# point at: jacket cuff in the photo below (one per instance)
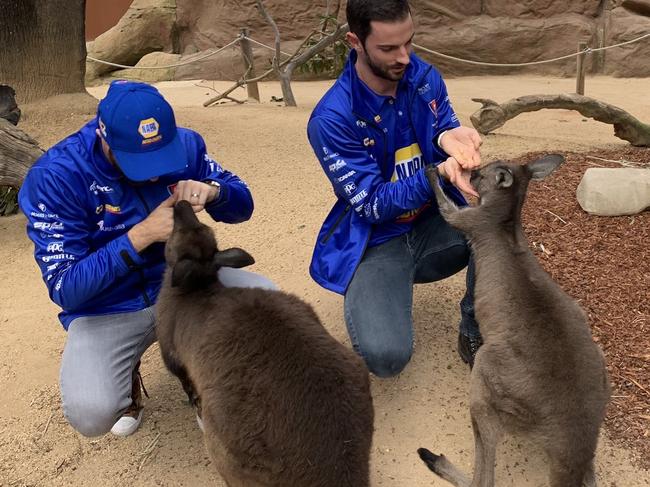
(222, 199)
(126, 257)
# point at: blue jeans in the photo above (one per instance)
(379, 300)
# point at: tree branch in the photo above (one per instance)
(291, 63)
(276, 32)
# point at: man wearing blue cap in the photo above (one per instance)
(99, 206)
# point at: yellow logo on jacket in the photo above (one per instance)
(408, 160)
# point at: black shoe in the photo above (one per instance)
(467, 348)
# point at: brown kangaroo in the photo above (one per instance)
(539, 372)
(283, 404)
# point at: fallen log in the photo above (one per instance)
(492, 115)
(18, 151)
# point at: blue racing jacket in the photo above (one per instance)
(79, 209)
(355, 152)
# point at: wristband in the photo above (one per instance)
(440, 138)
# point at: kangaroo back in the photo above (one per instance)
(282, 402)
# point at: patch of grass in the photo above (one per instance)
(8, 200)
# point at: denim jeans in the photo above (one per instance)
(379, 300)
(101, 352)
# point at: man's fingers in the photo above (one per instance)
(169, 202)
(464, 158)
(476, 139)
(466, 187)
(460, 179)
(476, 159)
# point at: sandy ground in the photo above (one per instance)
(427, 405)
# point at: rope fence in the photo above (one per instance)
(188, 61)
(531, 63)
(587, 50)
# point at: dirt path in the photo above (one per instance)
(266, 145)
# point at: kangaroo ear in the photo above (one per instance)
(541, 168)
(234, 257)
(504, 178)
(184, 272)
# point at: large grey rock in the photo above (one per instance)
(632, 59)
(485, 30)
(147, 26)
(506, 39)
(540, 8)
(153, 59)
(614, 191)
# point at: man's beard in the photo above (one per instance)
(384, 71)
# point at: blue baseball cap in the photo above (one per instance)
(140, 128)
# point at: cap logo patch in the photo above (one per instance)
(148, 128)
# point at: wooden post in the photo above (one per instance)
(247, 55)
(580, 70)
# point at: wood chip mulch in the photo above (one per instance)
(604, 263)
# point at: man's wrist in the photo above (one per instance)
(215, 190)
(138, 241)
(439, 139)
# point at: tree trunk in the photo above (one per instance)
(43, 49)
(287, 92)
(18, 151)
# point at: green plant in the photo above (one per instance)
(330, 61)
(8, 200)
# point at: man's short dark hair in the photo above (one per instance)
(360, 13)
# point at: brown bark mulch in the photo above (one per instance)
(604, 263)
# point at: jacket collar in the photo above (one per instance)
(364, 105)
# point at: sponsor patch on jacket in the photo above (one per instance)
(349, 188)
(98, 188)
(357, 198)
(112, 209)
(433, 106)
(335, 166)
(55, 247)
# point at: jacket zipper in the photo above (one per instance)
(336, 224)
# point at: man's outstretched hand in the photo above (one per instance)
(457, 175)
(463, 144)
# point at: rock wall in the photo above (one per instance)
(493, 31)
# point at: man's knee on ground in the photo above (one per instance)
(92, 417)
(387, 360)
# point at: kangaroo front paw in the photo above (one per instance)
(445, 204)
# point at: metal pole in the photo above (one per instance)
(247, 55)
(580, 69)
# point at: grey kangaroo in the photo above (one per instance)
(283, 404)
(539, 372)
